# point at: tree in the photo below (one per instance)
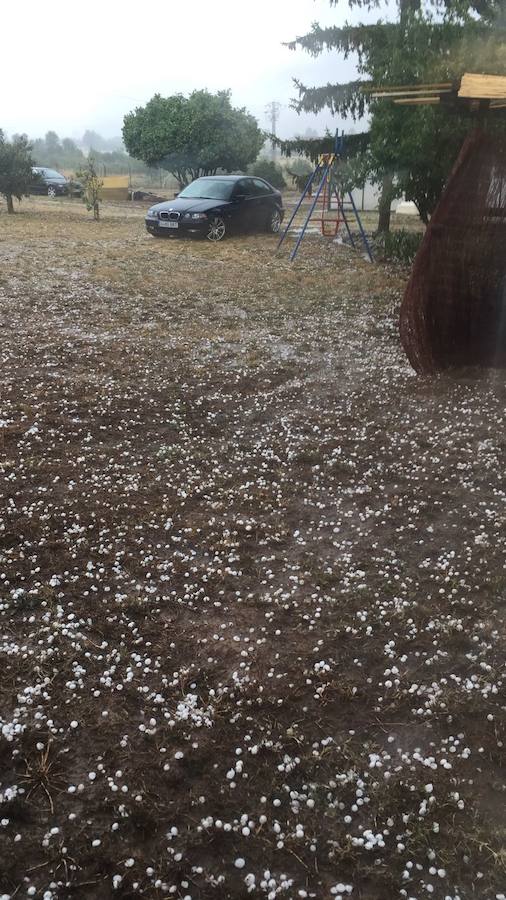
(411, 149)
(15, 168)
(193, 136)
(353, 154)
(92, 140)
(53, 147)
(92, 186)
(66, 155)
(69, 147)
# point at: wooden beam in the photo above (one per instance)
(408, 88)
(424, 93)
(418, 101)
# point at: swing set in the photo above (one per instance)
(329, 205)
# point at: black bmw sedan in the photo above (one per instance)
(216, 205)
(53, 183)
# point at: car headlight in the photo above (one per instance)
(196, 216)
(152, 214)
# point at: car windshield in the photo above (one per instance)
(50, 173)
(209, 189)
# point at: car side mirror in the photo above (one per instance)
(176, 194)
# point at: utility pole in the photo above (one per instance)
(272, 110)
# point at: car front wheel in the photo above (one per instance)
(51, 191)
(217, 229)
(274, 221)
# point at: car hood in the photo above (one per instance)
(189, 204)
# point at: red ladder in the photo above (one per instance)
(329, 226)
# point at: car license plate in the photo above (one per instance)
(168, 224)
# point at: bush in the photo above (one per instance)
(92, 185)
(270, 171)
(299, 172)
(399, 246)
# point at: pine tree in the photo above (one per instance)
(411, 150)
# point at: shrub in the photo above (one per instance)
(399, 246)
(271, 171)
(299, 172)
(92, 185)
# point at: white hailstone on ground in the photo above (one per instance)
(240, 863)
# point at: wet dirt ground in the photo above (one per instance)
(252, 576)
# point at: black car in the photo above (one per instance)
(52, 183)
(216, 205)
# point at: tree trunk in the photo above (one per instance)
(10, 204)
(385, 203)
(96, 212)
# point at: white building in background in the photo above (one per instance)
(405, 208)
(367, 198)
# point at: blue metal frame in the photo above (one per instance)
(299, 204)
(360, 228)
(345, 220)
(322, 171)
(325, 173)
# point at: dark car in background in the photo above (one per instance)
(52, 183)
(215, 205)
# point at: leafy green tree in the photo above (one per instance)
(92, 140)
(117, 162)
(92, 185)
(271, 171)
(50, 151)
(193, 136)
(411, 149)
(66, 155)
(69, 147)
(53, 147)
(15, 168)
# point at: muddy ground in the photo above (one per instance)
(253, 577)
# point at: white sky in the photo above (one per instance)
(68, 66)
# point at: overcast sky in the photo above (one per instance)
(69, 66)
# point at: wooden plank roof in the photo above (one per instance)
(483, 87)
(474, 89)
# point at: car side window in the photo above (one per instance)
(261, 188)
(244, 187)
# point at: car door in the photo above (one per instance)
(38, 185)
(244, 197)
(264, 204)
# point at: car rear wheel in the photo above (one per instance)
(51, 191)
(274, 221)
(217, 229)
